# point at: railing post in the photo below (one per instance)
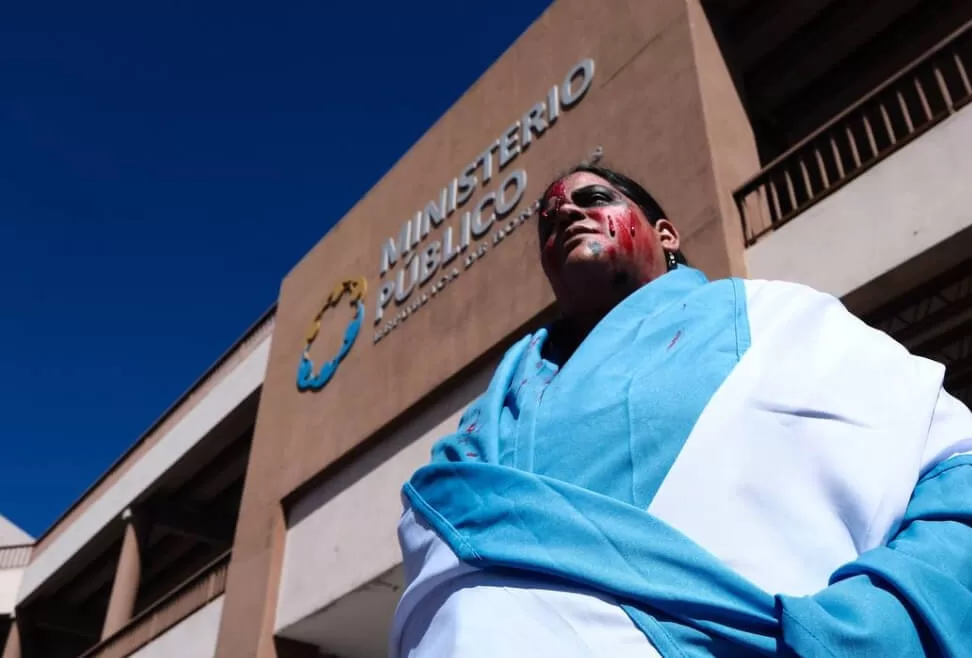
(821, 167)
(962, 73)
(807, 186)
(924, 99)
(943, 88)
(871, 141)
(755, 213)
(888, 127)
(838, 160)
(853, 145)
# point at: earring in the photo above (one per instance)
(672, 263)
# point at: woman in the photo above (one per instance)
(681, 467)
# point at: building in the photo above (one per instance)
(257, 516)
(15, 547)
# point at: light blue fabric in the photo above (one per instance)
(496, 516)
(615, 417)
(910, 598)
(551, 472)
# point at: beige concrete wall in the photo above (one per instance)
(357, 625)
(341, 536)
(10, 580)
(193, 637)
(909, 203)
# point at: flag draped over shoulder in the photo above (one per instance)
(740, 466)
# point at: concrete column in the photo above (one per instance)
(731, 146)
(124, 590)
(12, 648)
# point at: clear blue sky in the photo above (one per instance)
(162, 166)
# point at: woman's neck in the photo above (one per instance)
(567, 333)
(576, 324)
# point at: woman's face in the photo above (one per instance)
(596, 244)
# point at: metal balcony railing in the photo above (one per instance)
(15, 557)
(915, 99)
(207, 584)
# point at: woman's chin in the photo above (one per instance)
(588, 246)
(587, 276)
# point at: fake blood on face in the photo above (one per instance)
(627, 232)
(625, 243)
(556, 197)
(634, 241)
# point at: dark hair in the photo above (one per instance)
(628, 187)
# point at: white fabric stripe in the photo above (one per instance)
(804, 458)
(808, 453)
(950, 434)
(452, 609)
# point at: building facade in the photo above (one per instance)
(814, 141)
(15, 549)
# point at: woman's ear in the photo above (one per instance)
(667, 235)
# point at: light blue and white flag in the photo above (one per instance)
(721, 468)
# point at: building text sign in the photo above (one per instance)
(410, 262)
(415, 269)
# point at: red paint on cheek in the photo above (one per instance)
(635, 237)
(628, 232)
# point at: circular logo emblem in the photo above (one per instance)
(356, 290)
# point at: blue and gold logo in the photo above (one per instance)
(356, 289)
